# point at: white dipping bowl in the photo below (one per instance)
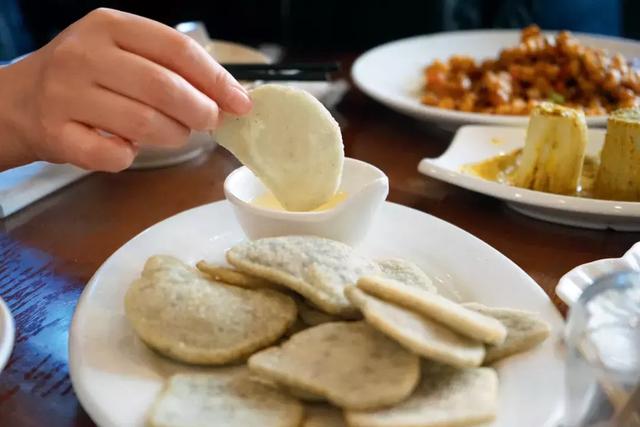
(366, 188)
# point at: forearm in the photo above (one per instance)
(13, 149)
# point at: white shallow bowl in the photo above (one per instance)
(7, 334)
(366, 188)
(571, 285)
(392, 73)
(116, 377)
(151, 156)
(476, 143)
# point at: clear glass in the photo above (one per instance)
(603, 354)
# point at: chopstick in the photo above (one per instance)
(309, 66)
(280, 72)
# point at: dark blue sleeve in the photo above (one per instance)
(589, 16)
(15, 39)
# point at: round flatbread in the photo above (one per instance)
(406, 272)
(296, 327)
(232, 277)
(312, 316)
(349, 363)
(466, 322)
(291, 142)
(320, 415)
(230, 398)
(417, 333)
(525, 330)
(290, 391)
(318, 269)
(177, 311)
(446, 396)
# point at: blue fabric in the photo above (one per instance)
(15, 40)
(589, 16)
(305, 24)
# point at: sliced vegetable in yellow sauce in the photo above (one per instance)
(502, 167)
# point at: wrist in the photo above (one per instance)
(14, 149)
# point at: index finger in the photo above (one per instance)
(181, 54)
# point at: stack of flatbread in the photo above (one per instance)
(319, 335)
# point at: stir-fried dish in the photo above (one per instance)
(540, 68)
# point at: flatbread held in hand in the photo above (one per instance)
(291, 142)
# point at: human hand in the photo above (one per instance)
(107, 83)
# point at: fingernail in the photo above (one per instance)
(239, 100)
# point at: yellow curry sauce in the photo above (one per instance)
(502, 168)
(269, 201)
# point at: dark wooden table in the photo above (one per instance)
(51, 249)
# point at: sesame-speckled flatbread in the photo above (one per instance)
(302, 394)
(406, 272)
(311, 316)
(296, 327)
(232, 277)
(226, 397)
(417, 333)
(469, 323)
(525, 330)
(291, 391)
(446, 397)
(182, 314)
(349, 363)
(319, 269)
(322, 415)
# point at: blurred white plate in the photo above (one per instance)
(7, 334)
(476, 143)
(393, 73)
(571, 285)
(116, 377)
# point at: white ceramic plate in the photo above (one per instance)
(7, 334)
(476, 143)
(392, 73)
(116, 377)
(571, 285)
